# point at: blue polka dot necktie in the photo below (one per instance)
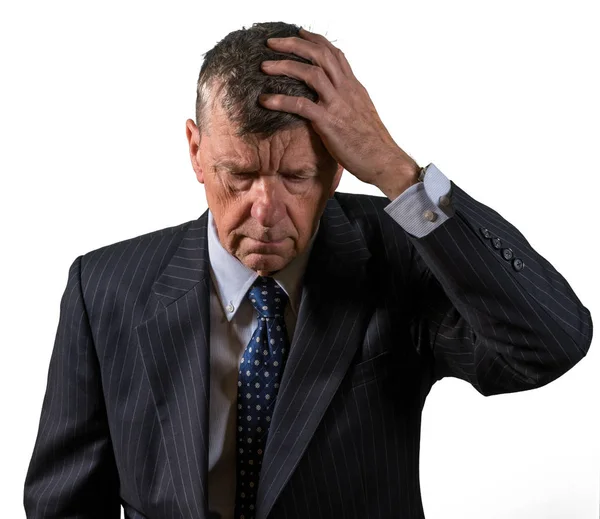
(258, 383)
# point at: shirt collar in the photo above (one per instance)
(232, 279)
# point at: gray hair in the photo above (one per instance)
(231, 74)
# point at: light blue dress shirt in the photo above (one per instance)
(419, 210)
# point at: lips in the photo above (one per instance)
(273, 242)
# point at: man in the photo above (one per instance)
(272, 358)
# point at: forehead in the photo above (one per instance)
(299, 145)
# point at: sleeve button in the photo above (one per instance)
(518, 264)
(507, 254)
(485, 232)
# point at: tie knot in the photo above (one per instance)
(267, 297)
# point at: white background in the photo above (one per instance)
(501, 96)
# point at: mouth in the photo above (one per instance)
(268, 242)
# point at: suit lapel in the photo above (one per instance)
(174, 345)
(330, 328)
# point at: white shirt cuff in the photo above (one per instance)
(424, 206)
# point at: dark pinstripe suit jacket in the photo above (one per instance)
(383, 316)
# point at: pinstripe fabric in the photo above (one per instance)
(124, 419)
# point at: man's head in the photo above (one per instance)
(267, 174)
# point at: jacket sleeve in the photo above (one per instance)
(72, 473)
(492, 311)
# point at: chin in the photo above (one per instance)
(265, 263)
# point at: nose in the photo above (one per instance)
(268, 207)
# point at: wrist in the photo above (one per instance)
(398, 178)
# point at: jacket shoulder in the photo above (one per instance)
(387, 241)
(146, 252)
(367, 213)
(157, 236)
(361, 205)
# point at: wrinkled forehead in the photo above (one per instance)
(298, 145)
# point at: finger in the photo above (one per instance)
(320, 55)
(293, 104)
(315, 77)
(337, 53)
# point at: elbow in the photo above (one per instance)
(512, 369)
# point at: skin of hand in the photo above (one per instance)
(344, 117)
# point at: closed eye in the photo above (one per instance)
(249, 175)
(243, 175)
(294, 178)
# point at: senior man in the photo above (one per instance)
(271, 359)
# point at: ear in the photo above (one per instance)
(336, 179)
(193, 136)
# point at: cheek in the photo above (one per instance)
(229, 211)
(305, 210)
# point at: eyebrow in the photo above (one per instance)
(231, 165)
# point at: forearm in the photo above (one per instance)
(500, 315)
